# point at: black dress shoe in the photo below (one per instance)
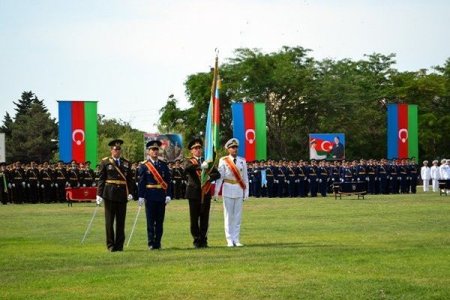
(111, 249)
(155, 247)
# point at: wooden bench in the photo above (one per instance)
(81, 194)
(444, 187)
(349, 188)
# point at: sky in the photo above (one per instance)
(131, 55)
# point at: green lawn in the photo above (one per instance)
(383, 247)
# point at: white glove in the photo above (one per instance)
(141, 201)
(130, 197)
(28, 185)
(23, 183)
(94, 184)
(42, 186)
(13, 185)
(84, 184)
(78, 185)
(56, 185)
(67, 184)
(168, 199)
(204, 165)
(245, 198)
(249, 181)
(99, 200)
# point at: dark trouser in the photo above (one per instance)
(155, 212)
(199, 214)
(61, 191)
(33, 190)
(115, 237)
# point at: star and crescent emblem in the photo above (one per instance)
(78, 136)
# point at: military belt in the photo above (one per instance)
(231, 181)
(153, 186)
(60, 178)
(18, 178)
(32, 177)
(116, 181)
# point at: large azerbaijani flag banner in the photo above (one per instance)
(78, 131)
(249, 127)
(402, 131)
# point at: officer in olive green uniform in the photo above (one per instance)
(115, 187)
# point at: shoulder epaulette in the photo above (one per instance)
(105, 158)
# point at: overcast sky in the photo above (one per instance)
(131, 55)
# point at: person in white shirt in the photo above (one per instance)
(234, 177)
(425, 175)
(435, 176)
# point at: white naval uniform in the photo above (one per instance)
(425, 175)
(435, 176)
(233, 196)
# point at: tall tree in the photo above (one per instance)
(32, 133)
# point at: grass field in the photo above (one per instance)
(383, 247)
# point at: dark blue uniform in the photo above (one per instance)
(302, 179)
(155, 200)
(312, 180)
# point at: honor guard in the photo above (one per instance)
(383, 175)
(413, 174)
(301, 179)
(235, 190)
(115, 188)
(270, 179)
(88, 175)
(18, 183)
(74, 175)
(46, 182)
(323, 178)
(198, 195)
(292, 179)
(177, 177)
(61, 181)
(312, 179)
(32, 175)
(154, 190)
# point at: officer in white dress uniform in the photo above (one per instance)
(425, 174)
(234, 177)
(435, 176)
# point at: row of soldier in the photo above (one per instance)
(42, 183)
(46, 182)
(303, 178)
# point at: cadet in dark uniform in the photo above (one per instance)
(270, 176)
(302, 179)
(18, 183)
(74, 175)
(177, 175)
(312, 179)
(115, 187)
(88, 175)
(61, 182)
(413, 175)
(3, 184)
(46, 180)
(33, 182)
(154, 189)
(198, 207)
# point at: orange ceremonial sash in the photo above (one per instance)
(156, 175)
(235, 172)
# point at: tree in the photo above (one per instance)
(109, 129)
(32, 131)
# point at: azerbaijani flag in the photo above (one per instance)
(249, 127)
(212, 129)
(213, 118)
(402, 131)
(78, 131)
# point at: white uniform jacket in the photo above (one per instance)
(231, 188)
